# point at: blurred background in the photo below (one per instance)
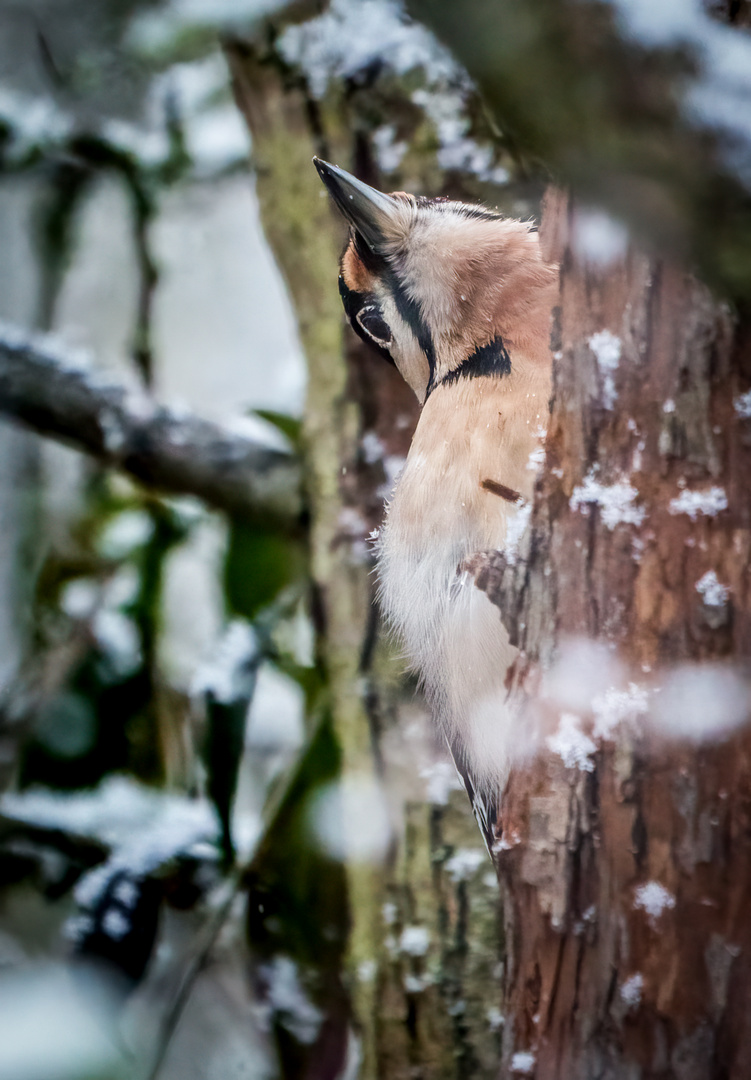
(229, 844)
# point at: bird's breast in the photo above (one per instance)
(473, 461)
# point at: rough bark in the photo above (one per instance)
(596, 986)
(176, 453)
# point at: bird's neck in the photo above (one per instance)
(487, 361)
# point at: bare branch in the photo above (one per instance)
(177, 453)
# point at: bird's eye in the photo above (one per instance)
(372, 322)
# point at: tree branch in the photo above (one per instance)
(123, 428)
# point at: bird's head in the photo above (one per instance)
(435, 284)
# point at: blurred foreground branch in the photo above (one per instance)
(180, 454)
(647, 121)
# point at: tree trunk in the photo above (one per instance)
(626, 869)
(623, 862)
(420, 1000)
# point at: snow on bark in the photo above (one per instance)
(653, 899)
(622, 884)
(615, 501)
(693, 503)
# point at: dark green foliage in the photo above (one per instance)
(102, 717)
(259, 566)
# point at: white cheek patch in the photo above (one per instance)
(405, 350)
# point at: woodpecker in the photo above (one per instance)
(459, 298)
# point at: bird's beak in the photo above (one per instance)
(372, 213)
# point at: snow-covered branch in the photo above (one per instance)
(175, 452)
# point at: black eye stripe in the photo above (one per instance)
(354, 303)
(409, 310)
(406, 305)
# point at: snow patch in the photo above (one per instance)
(115, 924)
(52, 348)
(467, 155)
(505, 843)
(367, 970)
(631, 991)
(571, 744)
(614, 500)
(123, 533)
(372, 448)
(709, 503)
(32, 122)
(289, 1001)
(616, 706)
(742, 406)
(230, 674)
(516, 526)
(523, 1062)
(607, 352)
(441, 779)
(389, 151)
(78, 598)
(536, 459)
(464, 863)
(155, 32)
(389, 913)
(217, 139)
(118, 637)
(143, 828)
(125, 893)
(712, 591)
(150, 148)
(414, 940)
(355, 34)
(495, 1018)
(275, 718)
(582, 670)
(653, 899)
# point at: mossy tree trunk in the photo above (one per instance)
(417, 1010)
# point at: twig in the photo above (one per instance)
(175, 453)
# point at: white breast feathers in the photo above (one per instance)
(440, 514)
